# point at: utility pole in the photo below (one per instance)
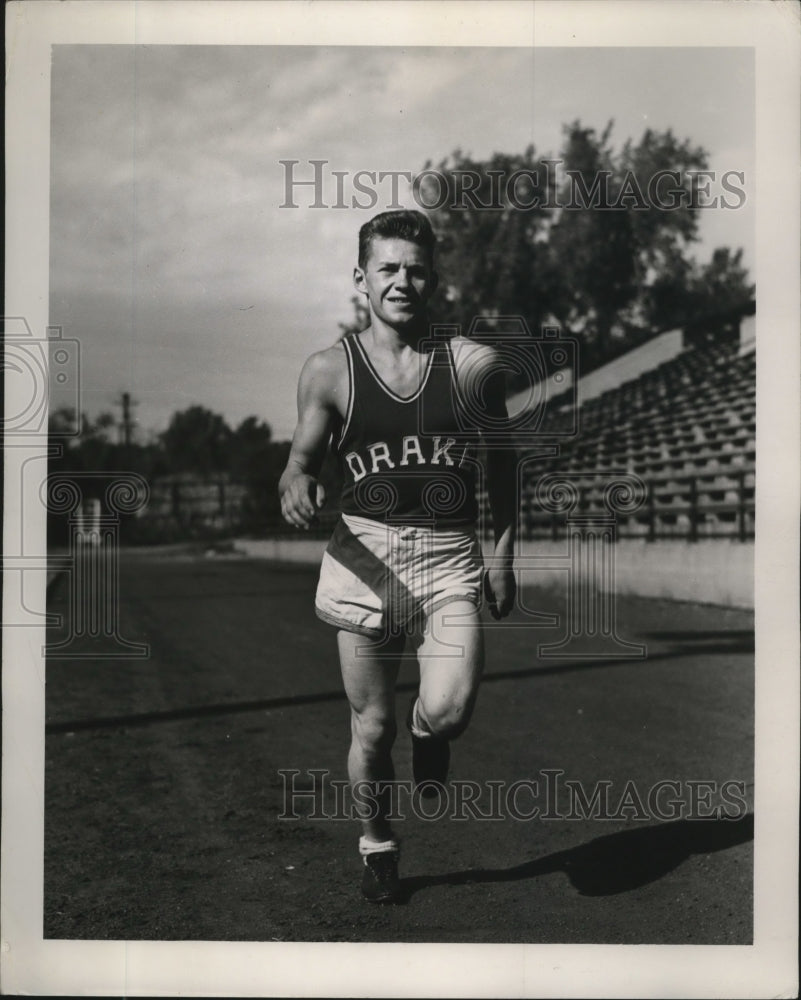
(126, 426)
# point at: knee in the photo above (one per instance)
(375, 733)
(448, 720)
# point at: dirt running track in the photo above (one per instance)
(163, 789)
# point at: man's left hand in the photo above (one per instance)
(500, 587)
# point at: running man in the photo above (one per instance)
(404, 412)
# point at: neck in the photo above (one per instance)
(396, 338)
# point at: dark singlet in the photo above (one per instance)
(407, 460)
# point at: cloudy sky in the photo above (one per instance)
(171, 259)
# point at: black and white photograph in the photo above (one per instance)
(401, 499)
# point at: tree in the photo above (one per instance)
(361, 317)
(61, 423)
(253, 463)
(197, 440)
(250, 448)
(718, 295)
(722, 284)
(94, 448)
(614, 239)
(597, 240)
(490, 257)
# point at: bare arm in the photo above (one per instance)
(302, 495)
(502, 491)
(488, 384)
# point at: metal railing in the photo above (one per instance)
(693, 512)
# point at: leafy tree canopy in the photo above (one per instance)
(597, 240)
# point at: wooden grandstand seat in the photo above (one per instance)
(687, 428)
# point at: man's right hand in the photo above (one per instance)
(301, 500)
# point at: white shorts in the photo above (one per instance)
(376, 577)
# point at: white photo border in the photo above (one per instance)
(142, 968)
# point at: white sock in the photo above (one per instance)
(416, 729)
(376, 846)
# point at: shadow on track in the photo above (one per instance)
(618, 862)
(696, 635)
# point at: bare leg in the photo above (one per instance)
(451, 660)
(369, 681)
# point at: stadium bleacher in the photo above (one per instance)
(686, 429)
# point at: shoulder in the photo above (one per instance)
(330, 363)
(479, 374)
(472, 359)
(323, 373)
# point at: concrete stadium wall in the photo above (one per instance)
(631, 365)
(747, 334)
(710, 571)
(299, 550)
(558, 383)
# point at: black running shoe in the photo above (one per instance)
(431, 756)
(380, 882)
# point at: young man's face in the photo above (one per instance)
(398, 280)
